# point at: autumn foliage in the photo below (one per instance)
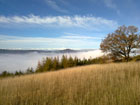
(121, 43)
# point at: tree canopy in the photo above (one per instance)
(121, 43)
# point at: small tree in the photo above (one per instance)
(55, 64)
(64, 62)
(30, 70)
(70, 62)
(5, 74)
(122, 42)
(39, 67)
(75, 61)
(47, 65)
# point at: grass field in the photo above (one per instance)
(106, 84)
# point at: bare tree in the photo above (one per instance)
(122, 42)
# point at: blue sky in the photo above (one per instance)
(58, 24)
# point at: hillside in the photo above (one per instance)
(105, 84)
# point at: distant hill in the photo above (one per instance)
(13, 51)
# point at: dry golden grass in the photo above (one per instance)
(106, 84)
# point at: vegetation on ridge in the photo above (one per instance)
(54, 64)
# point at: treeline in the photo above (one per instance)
(17, 73)
(55, 63)
(52, 64)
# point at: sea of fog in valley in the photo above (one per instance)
(21, 60)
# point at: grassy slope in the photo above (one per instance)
(106, 84)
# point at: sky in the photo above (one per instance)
(59, 24)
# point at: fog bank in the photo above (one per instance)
(13, 62)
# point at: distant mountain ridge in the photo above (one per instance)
(15, 51)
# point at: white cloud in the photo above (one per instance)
(87, 22)
(45, 42)
(78, 36)
(111, 4)
(54, 5)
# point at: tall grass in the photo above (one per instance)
(106, 84)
